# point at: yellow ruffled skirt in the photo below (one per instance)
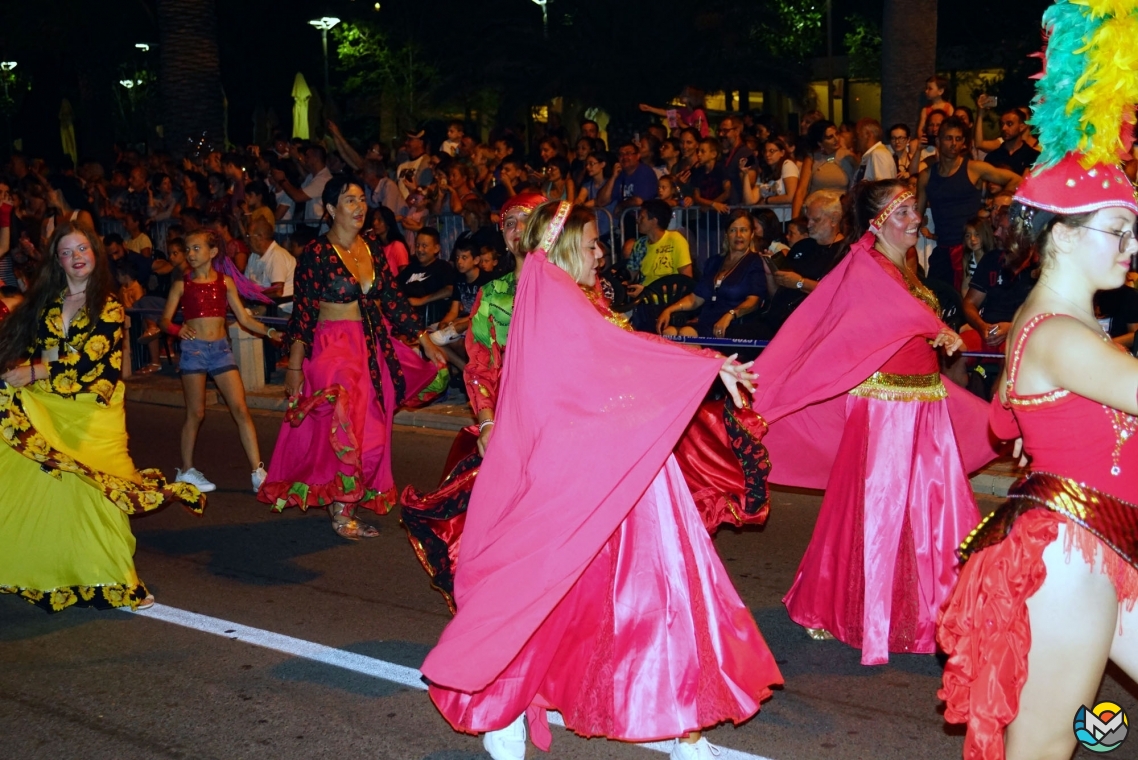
(67, 486)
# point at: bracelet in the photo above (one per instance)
(296, 369)
(33, 367)
(482, 425)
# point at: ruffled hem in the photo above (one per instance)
(986, 631)
(101, 597)
(342, 438)
(148, 493)
(434, 524)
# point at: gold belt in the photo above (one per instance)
(888, 387)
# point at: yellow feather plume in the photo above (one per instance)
(1109, 84)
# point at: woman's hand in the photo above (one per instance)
(18, 377)
(187, 332)
(949, 341)
(664, 320)
(433, 353)
(927, 234)
(722, 208)
(720, 327)
(733, 374)
(484, 438)
(294, 382)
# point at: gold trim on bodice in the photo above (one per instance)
(888, 387)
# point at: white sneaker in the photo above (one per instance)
(444, 336)
(195, 479)
(701, 750)
(146, 603)
(508, 743)
(259, 476)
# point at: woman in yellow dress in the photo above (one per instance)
(68, 480)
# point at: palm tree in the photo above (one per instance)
(908, 58)
(190, 78)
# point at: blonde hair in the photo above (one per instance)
(566, 249)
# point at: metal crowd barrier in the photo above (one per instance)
(761, 344)
(703, 227)
(284, 230)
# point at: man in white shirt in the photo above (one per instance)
(415, 172)
(877, 161)
(270, 266)
(381, 190)
(310, 190)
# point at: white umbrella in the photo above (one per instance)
(300, 97)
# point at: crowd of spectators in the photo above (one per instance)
(264, 203)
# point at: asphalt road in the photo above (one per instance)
(93, 685)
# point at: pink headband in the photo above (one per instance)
(555, 225)
(879, 220)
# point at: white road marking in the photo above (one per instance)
(357, 663)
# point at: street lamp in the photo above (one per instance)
(544, 17)
(324, 24)
(144, 47)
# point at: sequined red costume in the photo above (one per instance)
(204, 299)
(1082, 474)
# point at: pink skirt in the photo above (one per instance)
(882, 560)
(335, 443)
(652, 642)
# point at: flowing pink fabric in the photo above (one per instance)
(854, 321)
(882, 558)
(586, 581)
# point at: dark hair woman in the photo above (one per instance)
(352, 371)
(64, 447)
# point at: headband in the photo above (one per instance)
(879, 220)
(524, 202)
(555, 225)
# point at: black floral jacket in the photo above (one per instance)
(89, 356)
(322, 276)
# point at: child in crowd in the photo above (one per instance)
(709, 177)
(470, 277)
(490, 262)
(935, 87)
(978, 240)
(130, 291)
(796, 230)
(206, 293)
(413, 217)
(669, 191)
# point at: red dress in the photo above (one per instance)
(1078, 452)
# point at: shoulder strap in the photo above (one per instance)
(1017, 347)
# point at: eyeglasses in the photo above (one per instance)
(1125, 238)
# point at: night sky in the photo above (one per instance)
(80, 49)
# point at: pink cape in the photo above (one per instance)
(587, 417)
(840, 335)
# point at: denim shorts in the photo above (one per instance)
(202, 356)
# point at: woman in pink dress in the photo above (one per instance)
(856, 404)
(587, 582)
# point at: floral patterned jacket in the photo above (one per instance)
(322, 276)
(89, 354)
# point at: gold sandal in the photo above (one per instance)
(347, 526)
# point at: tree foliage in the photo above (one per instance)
(863, 44)
(401, 73)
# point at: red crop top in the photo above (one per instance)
(204, 299)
